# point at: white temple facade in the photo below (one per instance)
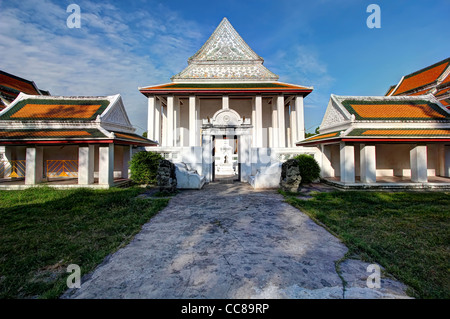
(227, 115)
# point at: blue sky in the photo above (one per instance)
(123, 45)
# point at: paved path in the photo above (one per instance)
(230, 241)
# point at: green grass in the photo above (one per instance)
(407, 233)
(43, 230)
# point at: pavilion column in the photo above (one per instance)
(258, 121)
(127, 153)
(418, 160)
(106, 164)
(176, 122)
(254, 133)
(151, 117)
(198, 120)
(225, 102)
(164, 124)
(274, 139)
(300, 120)
(6, 162)
(157, 122)
(446, 172)
(293, 123)
(170, 115)
(347, 162)
(281, 118)
(34, 165)
(326, 170)
(86, 164)
(192, 121)
(368, 166)
(287, 124)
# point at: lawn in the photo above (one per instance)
(407, 233)
(43, 230)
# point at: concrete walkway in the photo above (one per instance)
(230, 241)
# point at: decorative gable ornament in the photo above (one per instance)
(225, 57)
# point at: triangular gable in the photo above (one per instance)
(225, 56)
(335, 115)
(225, 44)
(116, 114)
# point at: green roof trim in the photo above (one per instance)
(21, 104)
(437, 132)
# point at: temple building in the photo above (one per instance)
(226, 114)
(398, 140)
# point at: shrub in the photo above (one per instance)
(144, 167)
(309, 168)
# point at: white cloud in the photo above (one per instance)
(110, 54)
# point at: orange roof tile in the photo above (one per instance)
(37, 111)
(38, 108)
(395, 110)
(422, 77)
(18, 84)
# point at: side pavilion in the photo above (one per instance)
(384, 141)
(66, 141)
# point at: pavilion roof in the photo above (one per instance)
(422, 78)
(11, 86)
(394, 109)
(50, 119)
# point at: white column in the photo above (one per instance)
(347, 163)
(192, 121)
(6, 162)
(326, 169)
(225, 102)
(258, 121)
(151, 117)
(293, 120)
(157, 122)
(127, 151)
(170, 134)
(198, 135)
(446, 172)
(300, 118)
(368, 165)
(418, 160)
(254, 130)
(275, 140)
(164, 124)
(106, 164)
(86, 164)
(176, 122)
(281, 124)
(34, 165)
(287, 124)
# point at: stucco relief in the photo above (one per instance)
(332, 117)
